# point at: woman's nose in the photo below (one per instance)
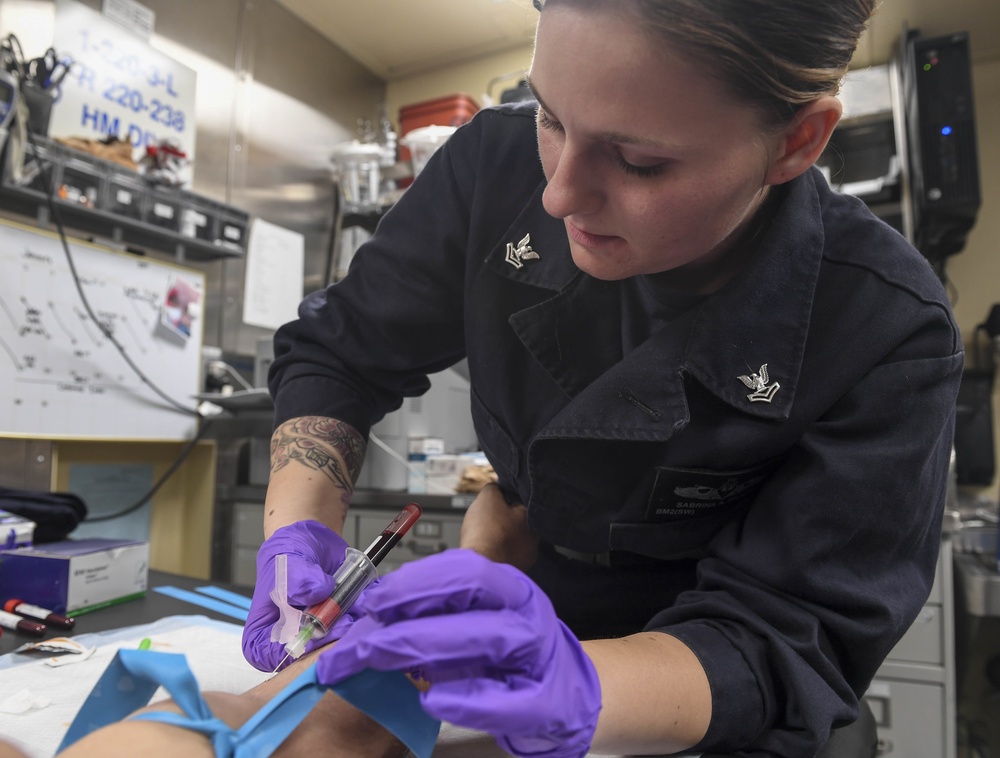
(573, 186)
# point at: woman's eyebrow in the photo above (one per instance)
(619, 138)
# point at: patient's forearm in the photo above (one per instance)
(9, 751)
(333, 728)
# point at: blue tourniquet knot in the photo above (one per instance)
(134, 675)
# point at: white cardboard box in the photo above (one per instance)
(444, 472)
(419, 450)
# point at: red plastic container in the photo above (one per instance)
(452, 110)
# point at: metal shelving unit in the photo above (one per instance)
(105, 199)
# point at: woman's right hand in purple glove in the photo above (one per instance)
(314, 552)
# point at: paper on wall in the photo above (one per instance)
(275, 268)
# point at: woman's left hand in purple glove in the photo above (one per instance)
(489, 642)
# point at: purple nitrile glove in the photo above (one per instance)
(488, 641)
(314, 552)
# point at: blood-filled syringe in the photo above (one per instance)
(356, 572)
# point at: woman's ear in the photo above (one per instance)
(805, 138)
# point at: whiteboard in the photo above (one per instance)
(60, 376)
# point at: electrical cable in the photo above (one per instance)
(519, 74)
(204, 427)
(212, 365)
(18, 57)
(330, 266)
(105, 330)
(419, 472)
(19, 128)
(201, 433)
(206, 424)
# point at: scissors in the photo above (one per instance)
(49, 70)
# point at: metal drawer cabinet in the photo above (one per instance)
(433, 533)
(913, 695)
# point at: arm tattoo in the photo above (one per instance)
(312, 440)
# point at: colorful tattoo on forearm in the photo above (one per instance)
(311, 440)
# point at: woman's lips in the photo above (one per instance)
(588, 239)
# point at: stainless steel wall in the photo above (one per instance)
(273, 98)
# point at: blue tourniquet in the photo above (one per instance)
(134, 675)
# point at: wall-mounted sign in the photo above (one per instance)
(118, 84)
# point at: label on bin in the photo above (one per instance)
(232, 233)
(162, 210)
(124, 197)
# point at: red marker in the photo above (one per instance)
(27, 610)
(19, 624)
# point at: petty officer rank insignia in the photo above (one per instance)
(683, 494)
(517, 255)
(762, 391)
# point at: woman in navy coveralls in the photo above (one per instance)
(718, 396)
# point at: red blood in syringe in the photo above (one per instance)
(324, 613)
(28, 610)
(399, 526)
(10, 621)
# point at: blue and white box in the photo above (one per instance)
(76, 576)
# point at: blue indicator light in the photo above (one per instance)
(946, 130)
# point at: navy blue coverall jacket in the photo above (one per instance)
(780, 448)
